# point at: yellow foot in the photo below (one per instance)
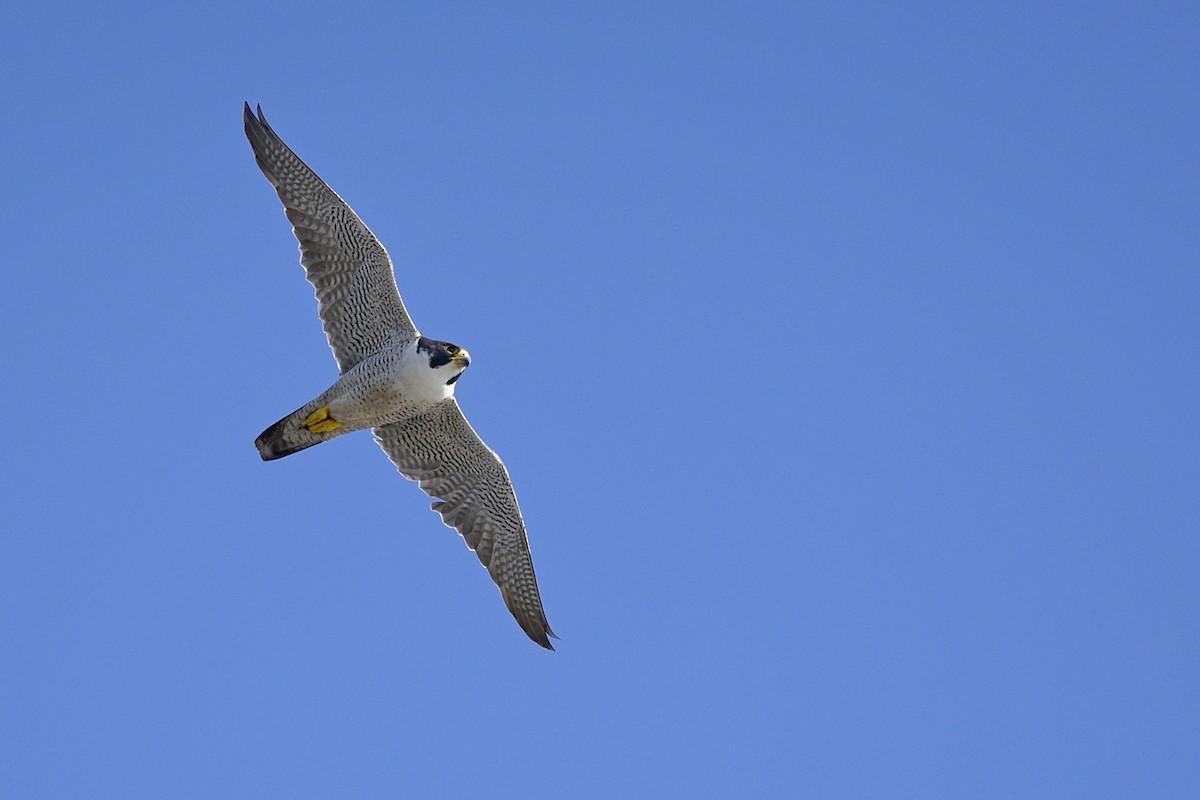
(320, 422)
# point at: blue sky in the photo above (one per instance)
(843, 357)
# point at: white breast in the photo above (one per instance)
(421, 382)
(389, 386)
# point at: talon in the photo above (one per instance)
(320, 422)
(320, 414)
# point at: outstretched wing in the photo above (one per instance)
(359, 304)
(441, 451)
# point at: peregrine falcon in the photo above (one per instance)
(394, 381)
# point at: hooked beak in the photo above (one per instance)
(462, 359)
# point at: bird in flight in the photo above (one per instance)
(394, 381)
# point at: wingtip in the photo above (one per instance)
(254, 116)
(249, 122)
(543, 636)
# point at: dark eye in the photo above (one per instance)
(451, 349)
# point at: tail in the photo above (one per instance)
(288, 436)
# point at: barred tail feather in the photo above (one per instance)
(287, 436)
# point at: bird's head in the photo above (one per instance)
(447, 359)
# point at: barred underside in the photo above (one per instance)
(441, 451)
(357, 298)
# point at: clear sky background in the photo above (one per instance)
(844, 358)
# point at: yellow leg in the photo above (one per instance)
(320, 422)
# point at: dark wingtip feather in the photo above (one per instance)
(253, 125)
(539, 638)
(257, 129)
(541, 635)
